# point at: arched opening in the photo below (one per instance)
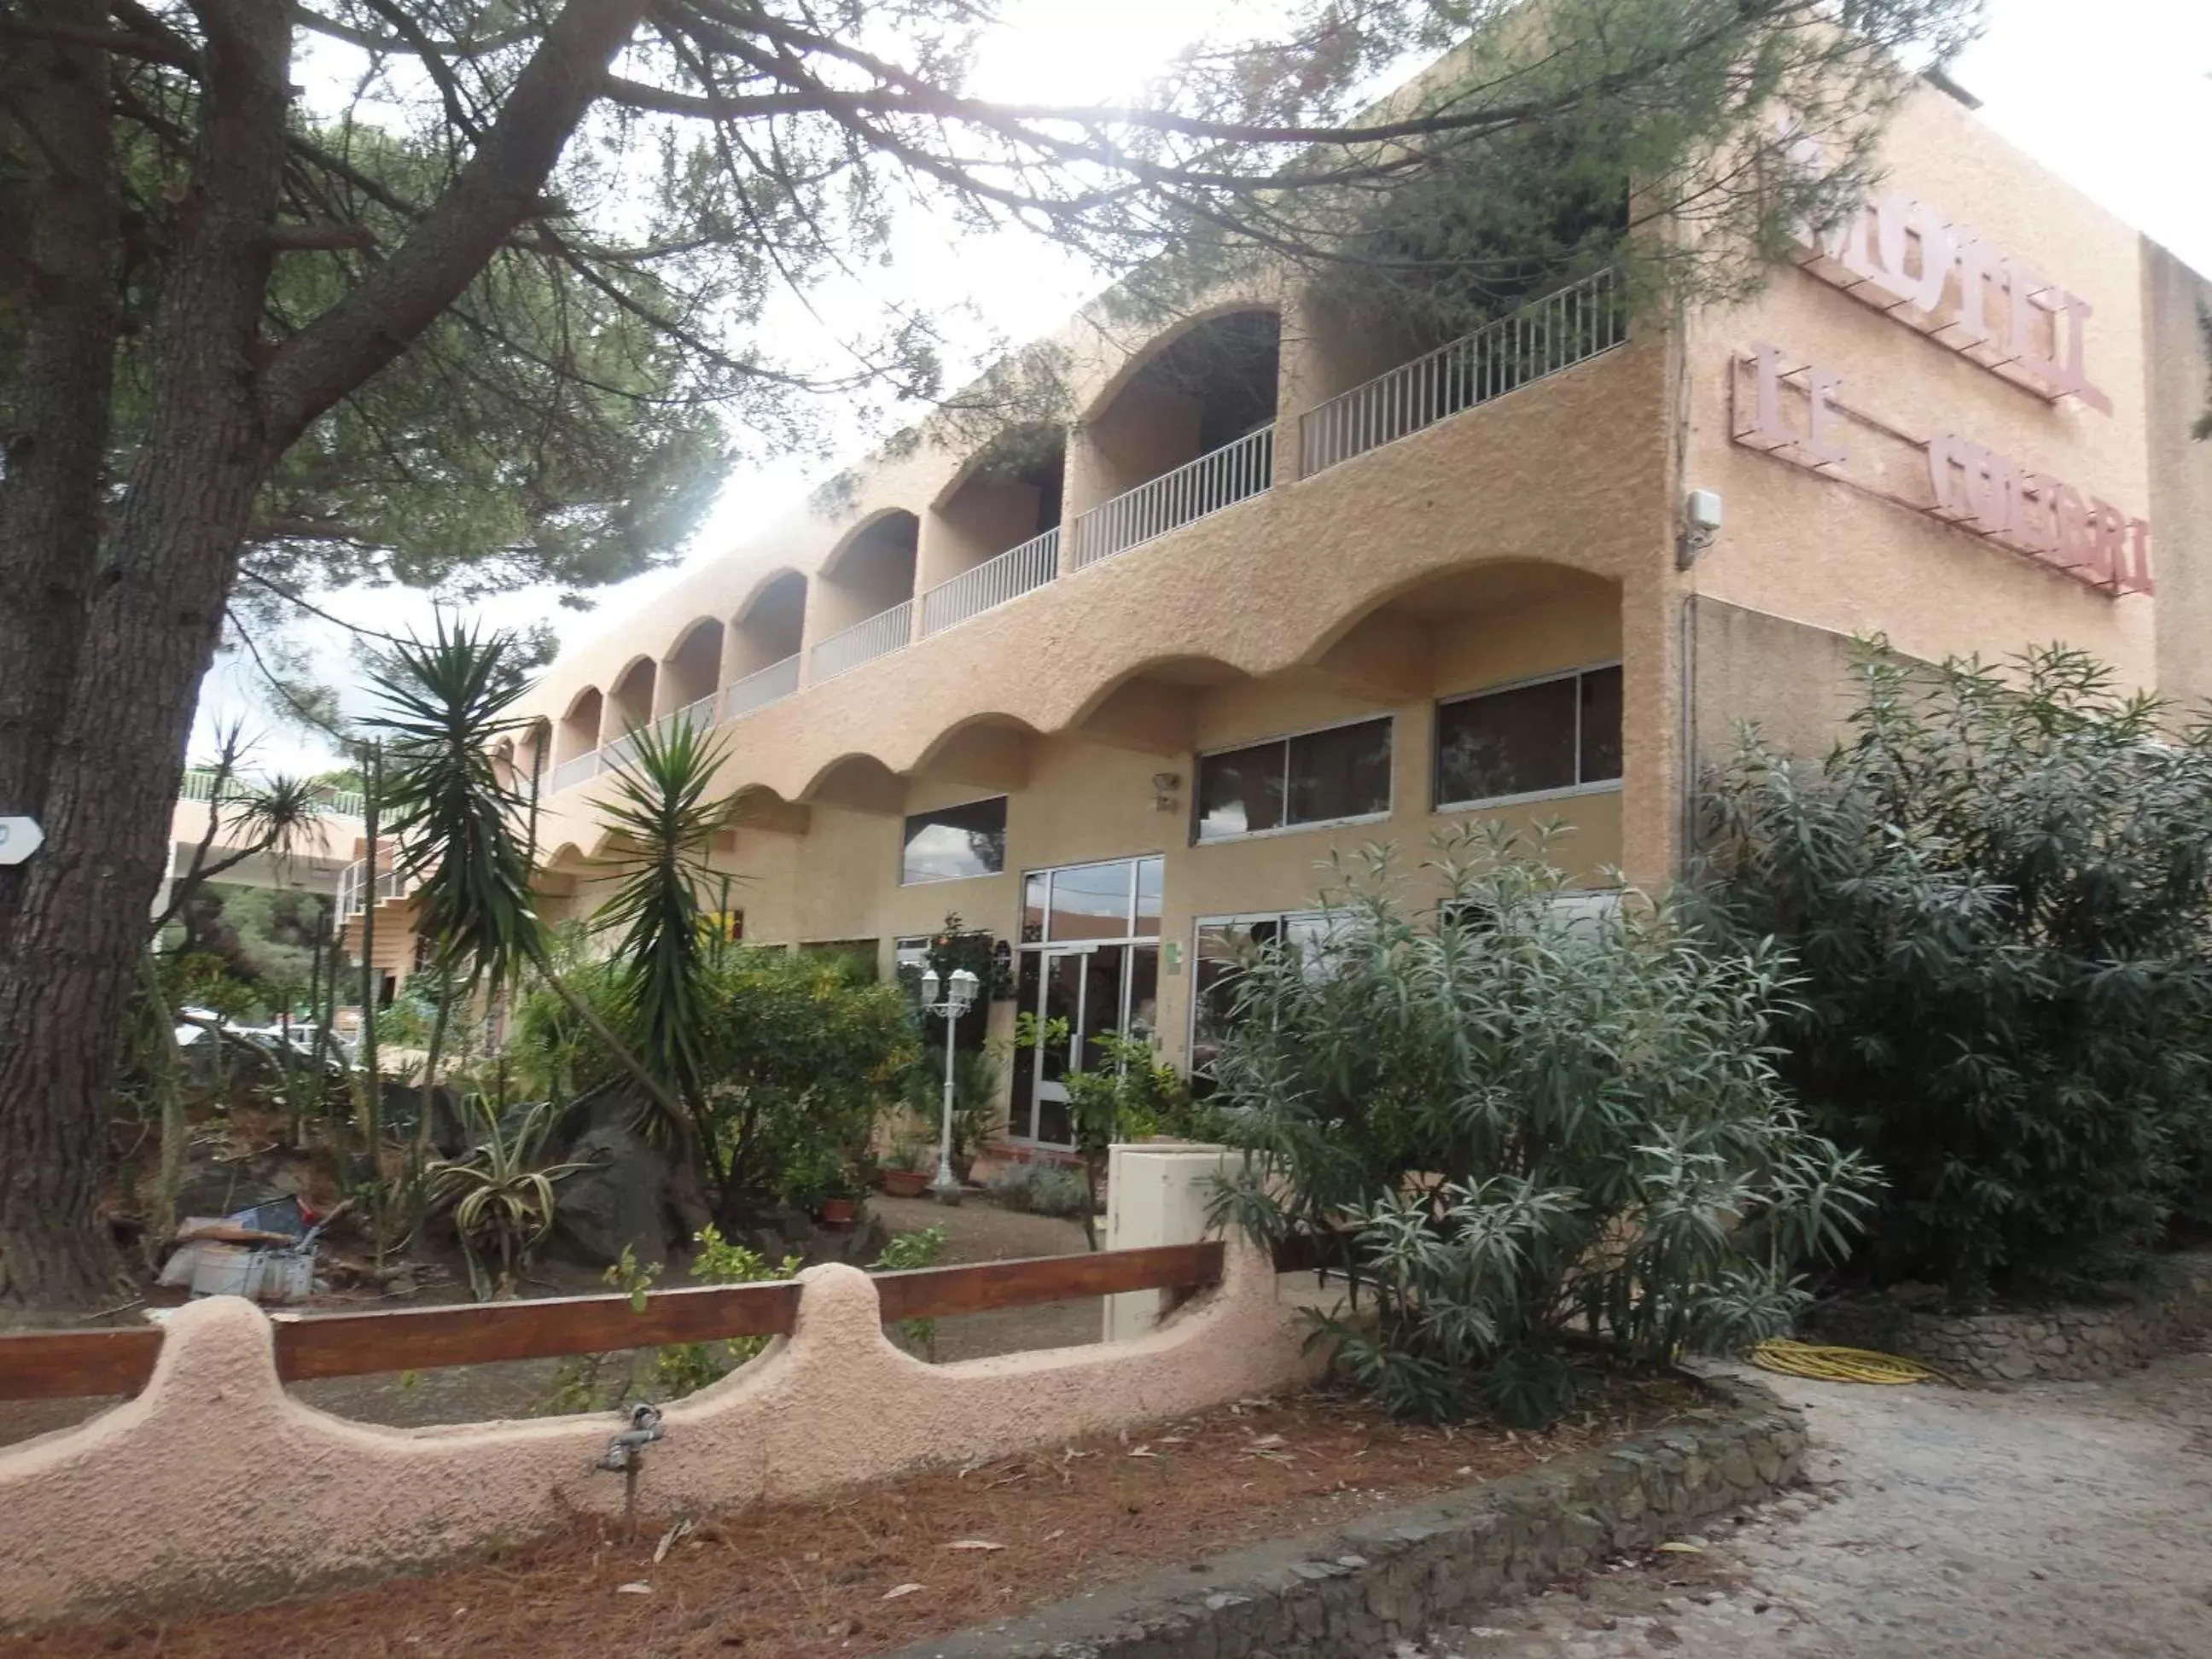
(1187, 433)
(1004, 513)
(579, 733)
(761, 660)
(691, 673)
(629, 704)
(858, 783)
(863, 599)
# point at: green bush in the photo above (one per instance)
(581, 1383)
(1543, 1140)
(1053, 1189)
(793, 1060)
(1998, 892)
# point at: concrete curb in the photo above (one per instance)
(1342, 1594)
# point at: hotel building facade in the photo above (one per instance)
(1275, 591)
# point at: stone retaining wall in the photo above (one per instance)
(1344, 1595)
(2066, 1344)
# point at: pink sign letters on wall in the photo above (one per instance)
(1799, 415)
(1899, 255)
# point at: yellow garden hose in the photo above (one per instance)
(1833, 1365)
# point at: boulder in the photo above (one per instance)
(623, 1200)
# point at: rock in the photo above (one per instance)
(623, 1200)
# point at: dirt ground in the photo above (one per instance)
(976, 1231)
(892, 1563)
(2055, 1521)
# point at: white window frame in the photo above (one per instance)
(950, 806)
(1198, 767)
(1565, 792)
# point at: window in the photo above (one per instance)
(1113, 901)
(1225, 943)
(1330, 776)
(955, 842)
(1550, 737)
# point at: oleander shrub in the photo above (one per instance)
(1543, 1134)
(1997, 890)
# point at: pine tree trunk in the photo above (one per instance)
(152, 623)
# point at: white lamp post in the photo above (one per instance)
(959, 997)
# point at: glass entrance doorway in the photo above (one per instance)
(1089, 956)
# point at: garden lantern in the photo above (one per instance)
(959, 997)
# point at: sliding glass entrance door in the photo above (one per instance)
(1091, 964)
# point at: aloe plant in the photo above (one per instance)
(500, 1204)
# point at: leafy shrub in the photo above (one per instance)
(1051, 1189)
(1998, 892)
(1539, 1138)
(791, 1061)
(582, 1382)
(923, 1248)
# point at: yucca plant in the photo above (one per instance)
(503, 1207)
(446, 703)
(664, 820)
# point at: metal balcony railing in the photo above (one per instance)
(991, 584)
(1219, 478)
(199, 784)
(570, 773)
(698, 714)
(1555, 332)
(770, 684)
(353, 880)
(620, 752)
(881, 634)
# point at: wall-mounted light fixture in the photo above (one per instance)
(1164, 785)
(1701, 522)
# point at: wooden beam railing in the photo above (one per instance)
(68, 1364)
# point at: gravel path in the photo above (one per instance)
(2060, 1521)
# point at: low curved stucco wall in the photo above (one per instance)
(214, 1486)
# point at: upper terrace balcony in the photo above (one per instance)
(1188, 434)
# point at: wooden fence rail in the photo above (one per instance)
(68, 1364)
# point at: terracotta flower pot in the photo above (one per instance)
(837, 1214)
(905, 1183)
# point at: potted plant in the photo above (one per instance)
(840, 1209)
(906, 1169)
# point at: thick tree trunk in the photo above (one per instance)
(54, 454)
(101, 767)
(154, 619)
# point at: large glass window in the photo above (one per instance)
(955, 842)
(1329, 776)
(1549, 737)
(1226, 944)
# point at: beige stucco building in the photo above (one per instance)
(1279, 592)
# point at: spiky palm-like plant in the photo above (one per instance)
(662, 813)
(446, 701)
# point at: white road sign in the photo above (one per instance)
(19, 839)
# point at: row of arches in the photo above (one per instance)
(1039, 499)
(1210, 381)
(1455, 627)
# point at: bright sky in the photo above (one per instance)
(2116, 98)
